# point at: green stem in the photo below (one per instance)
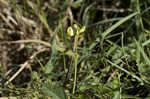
(75, 63)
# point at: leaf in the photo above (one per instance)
(49, 67)
(147, 60)
(50, 64)
(118, 24)
(125, 96)
(124, 70)
(112, 49)
(117, 95)
(35, 75)
(55, 92)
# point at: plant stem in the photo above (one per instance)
(75, 62)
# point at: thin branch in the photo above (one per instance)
(25, 64)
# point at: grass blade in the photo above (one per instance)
(118, 24)
(124, 70)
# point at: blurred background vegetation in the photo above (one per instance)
(109, 60)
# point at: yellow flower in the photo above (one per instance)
(70, 31)
(82, 29)
(75, 30)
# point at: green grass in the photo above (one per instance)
(109, 60)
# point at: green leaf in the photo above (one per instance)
(118, 24)
(50, 64)
(125, 96)
(55, 92)
(147, 60)
(35, 75)
(124, 70)
(117, 95)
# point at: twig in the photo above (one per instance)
(112, 75)
(61, 49)
(6, 21)
(4, 58)
(25, 64)
(114, 10)
(26, 41)
(69, 11)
